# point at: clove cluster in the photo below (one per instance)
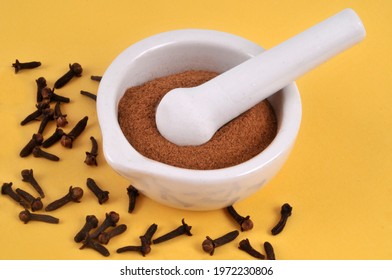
(48, 108)
(95, 236)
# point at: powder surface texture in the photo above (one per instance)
(234, 143)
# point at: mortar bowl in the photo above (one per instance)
(173, 52)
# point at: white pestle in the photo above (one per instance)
(191, 116)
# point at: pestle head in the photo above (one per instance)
(181, 122)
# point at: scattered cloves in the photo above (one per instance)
(89, 242)
(61, 119)
(55, 137)
(89, 94)
(285, 213)
(35, 141)
(102, 195)
(74, 194)
(105, 236)
(26, 216)
(35, 202)
(210, 244)
(68, 138)
(6, 189)
(110, 221)
(132, 194)
(91, 222)
(245, 222)
(39, 153)
(28, 176)
(183, 229)
(91, 157)
(25, 65)
(75, 70)
(247, 247)
(269, 251)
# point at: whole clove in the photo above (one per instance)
(35, 202)
(54, 138)
(28, 176)
(68, 138)
(132, 194)
(25, 65)
(102, 195)
(75, 70)
(91, 157)
(89, 94)
(285, 213)
(74, 195)
(247, 247)
(105, 236)
(96, 78)
(26, 216)
(61, 119)
(269, 251)
(210, 244)
(6, 189)
(183, 229)
(39, 153)
(89, 242)
(36, 140)
(41, 83)
(91, 222)
(245, 222)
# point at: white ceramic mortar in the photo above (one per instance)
(172, 52)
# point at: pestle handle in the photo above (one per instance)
(190, 116)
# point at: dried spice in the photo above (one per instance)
(247, 247)
(91, 157)
(102, 195)
(26, 216)
(25, 65)
(285, 213)
(245, 222)
(237, 141)
(68, 138)
(91, 222)
(75, 70)
(210, 244)
(74, 195)
(132, 194)
(181, 230)
(28, 176)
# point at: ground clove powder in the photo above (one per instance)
(234, 143)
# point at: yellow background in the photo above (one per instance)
(337, 178)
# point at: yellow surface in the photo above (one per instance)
(338, 177)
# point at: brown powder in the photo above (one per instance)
(237, 141)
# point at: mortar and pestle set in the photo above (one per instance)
(190, 116)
